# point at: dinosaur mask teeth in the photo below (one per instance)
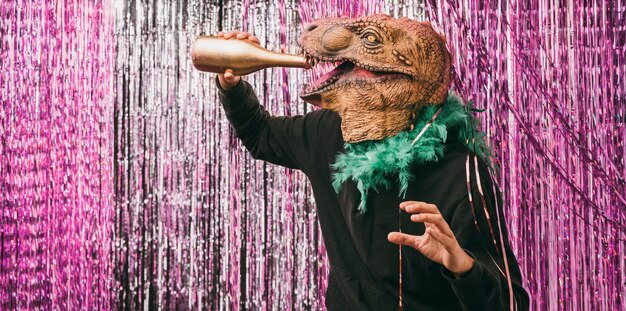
(327, 78)
(345, 72)
(312, 61)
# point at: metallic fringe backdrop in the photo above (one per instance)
(56, 184)
(123, 187)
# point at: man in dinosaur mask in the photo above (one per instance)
(389, 135)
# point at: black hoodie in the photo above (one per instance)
(363, 263)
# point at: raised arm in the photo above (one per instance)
(286, 141)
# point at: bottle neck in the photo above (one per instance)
(285, 60)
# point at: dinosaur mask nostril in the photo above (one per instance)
(311, 27)
(336, 38)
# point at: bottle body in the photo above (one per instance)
(215, 54)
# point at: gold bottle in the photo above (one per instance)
(216, 54)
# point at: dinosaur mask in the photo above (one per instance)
(387, 69)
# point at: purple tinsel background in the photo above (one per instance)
(56, 207)
(122, 185)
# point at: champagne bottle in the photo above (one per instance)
(216, 54)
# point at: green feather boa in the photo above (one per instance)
(372, 164)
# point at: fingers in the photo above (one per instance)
(233, 34)
(435, 219)
(239, 35)
(445, 240)
(419, 241)
(230, 77)
(418, 207)
(243, 35)
(426, 213)
(254, 39)
(403, 239)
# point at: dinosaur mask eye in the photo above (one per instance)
(370, 39)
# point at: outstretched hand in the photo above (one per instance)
(438, 242)
(228, 79)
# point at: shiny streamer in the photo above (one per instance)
(56, 207)
(123, 186)
(556, 121)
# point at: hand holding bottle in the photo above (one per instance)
(228, 79)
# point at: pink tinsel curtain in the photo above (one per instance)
(56, 207)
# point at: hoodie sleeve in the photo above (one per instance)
(485, 286)
(286, 141)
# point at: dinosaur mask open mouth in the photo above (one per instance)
(347, 72)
